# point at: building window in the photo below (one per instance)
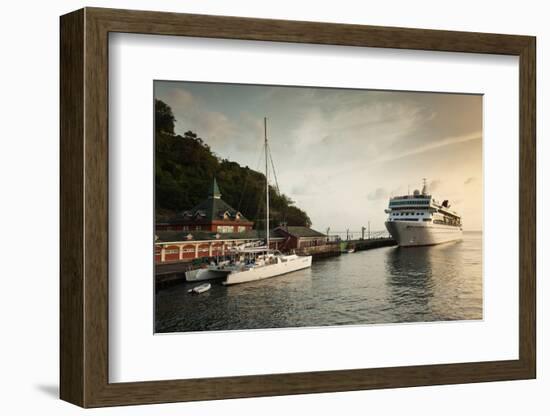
(241, 228)
(224, 228)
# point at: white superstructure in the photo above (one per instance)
(420, 220)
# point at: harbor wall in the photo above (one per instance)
(168, 274)
(360, 245)
(320, 252)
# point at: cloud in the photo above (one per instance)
(190, 114)
(298, 190)
(447, 141)
(228, 136)
(377, 194)
(434, 185)
(333, 146)
(308, 185)
(370, 128)
(179, 98)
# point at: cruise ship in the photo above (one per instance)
(420, 220)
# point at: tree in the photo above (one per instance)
(184, 169)
(164, 118)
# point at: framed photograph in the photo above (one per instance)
(255, 207)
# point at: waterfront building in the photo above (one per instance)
(178, 246)
(213, 215)
(298, 237)
(174, 246)
(214, 228)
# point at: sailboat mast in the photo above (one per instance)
(266, 185)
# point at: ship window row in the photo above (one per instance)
(455, 223)
(448, 214)
(406, 213)
(421, 202)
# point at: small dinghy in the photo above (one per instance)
(351, 250)
(200, 288)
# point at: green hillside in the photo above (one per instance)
(185, 166)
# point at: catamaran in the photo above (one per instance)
(420, 220)
(255, 263)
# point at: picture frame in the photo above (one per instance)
(84, 217)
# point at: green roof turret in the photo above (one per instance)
(215, 191)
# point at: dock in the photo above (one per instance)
(168, 274)
(369, 244)
(320, 251)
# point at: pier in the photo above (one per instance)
(365, 287)
(330, 249)
(369, 244)
(168, 274)
(363, 239)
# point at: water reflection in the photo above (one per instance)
(386, 285)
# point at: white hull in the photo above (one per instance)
(286, 264)
(411, 233)
(200, 289)
(205, 274)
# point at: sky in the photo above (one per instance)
(341, 153)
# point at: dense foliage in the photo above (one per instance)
(185, 167)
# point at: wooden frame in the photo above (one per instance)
(84, 207)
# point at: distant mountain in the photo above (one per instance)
(185, 167)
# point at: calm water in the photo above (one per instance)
(384, 285)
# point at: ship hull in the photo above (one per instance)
(293, 263)
(411, 234)
(204, 274)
